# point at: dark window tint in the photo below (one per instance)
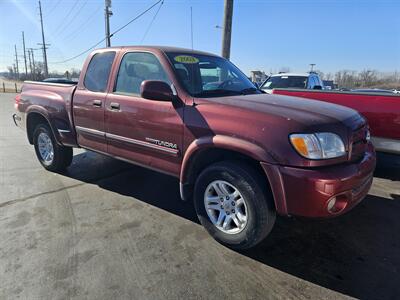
(98, 71)
(135, 68)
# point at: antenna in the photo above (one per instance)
(191, 25)
(191, 38)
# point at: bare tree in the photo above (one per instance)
(39, 71)
(368, 78)
(11, 73)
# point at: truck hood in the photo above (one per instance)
(304, 111)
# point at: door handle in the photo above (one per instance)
(114, 105)
(97, 103)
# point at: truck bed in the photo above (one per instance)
(52, 101)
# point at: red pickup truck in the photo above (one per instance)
(382, 112)
(243, 156)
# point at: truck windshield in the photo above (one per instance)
(274, 82)
(210, 76)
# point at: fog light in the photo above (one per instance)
(331, 204)
(337, 203)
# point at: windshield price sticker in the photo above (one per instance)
(186, 59)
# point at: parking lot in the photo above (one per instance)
(107, 229)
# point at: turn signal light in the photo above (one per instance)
(300, 145)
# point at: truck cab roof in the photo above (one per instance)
(166, 49)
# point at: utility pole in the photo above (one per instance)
(108, 13)
(33, 64)
(30, 62)
(26, 66)
(227, 29)
(312, 67)
(16, 61)
(46, 70)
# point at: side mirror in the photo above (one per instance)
(156, 90)
(317, 87)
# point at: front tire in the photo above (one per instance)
(52, 156)
(234, 204)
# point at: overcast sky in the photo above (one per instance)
(267, 35)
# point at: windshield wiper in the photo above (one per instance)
(250, 90)
(218, 92)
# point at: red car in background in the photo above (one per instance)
(381, 110)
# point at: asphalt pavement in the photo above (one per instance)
(106, 229)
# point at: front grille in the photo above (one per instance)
(358, 143)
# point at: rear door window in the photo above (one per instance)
(98, 71)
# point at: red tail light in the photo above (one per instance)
(17, 101)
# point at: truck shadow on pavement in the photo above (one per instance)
(357, 254)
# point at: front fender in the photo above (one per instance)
(223, 142)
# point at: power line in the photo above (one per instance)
(137, 17)
(66, 25)
(112, 34)
(76, 56)
(54, 7)
(71, 36)
(152, 21)
(66, 17)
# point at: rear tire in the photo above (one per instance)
(240, 212)
(51, 155)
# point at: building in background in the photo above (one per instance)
(258, 76)
(329, 85)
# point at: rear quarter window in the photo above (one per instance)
(98, 71)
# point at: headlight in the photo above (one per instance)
(321, 145)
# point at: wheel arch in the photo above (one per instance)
(206, 151)
(35, 118)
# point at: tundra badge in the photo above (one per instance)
(162, 143)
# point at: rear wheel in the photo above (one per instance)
(234, 205)
(52, 156)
